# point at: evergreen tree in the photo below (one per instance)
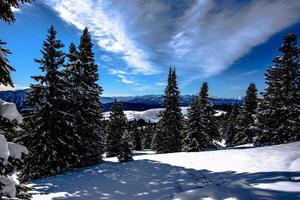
(136, 136)
(208, 121)
(167, 138)
(148, 133)
(51, 144)
(116, 129)
(5, 68)
(245, 125)
(87, 96)
(6, 13)
(231, 130)
(201, 127)
(277, 118)
(125, 154)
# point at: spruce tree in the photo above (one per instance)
(231, 138)
(277, 118)
(208, 122)
(167, 138)
(125, 154)
(148, 133)
(6, 13)
(136, 136)
(245, 121)
(89, 109)
(52, 144)
(116, 129)
(5, 68)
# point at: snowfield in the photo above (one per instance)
(151, 115)
(265, 173)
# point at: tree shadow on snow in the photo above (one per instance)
(147, 179)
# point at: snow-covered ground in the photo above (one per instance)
(266, 173)
(151, 115)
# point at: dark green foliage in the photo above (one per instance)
(201, 126)
(231, 130)
(51, 143)
(6, 13)
(136, 136)
(5, 68)
(277, 118)
(167, 138)
(245, 121)
(147, 135)
(9, 129)
(125, 154)
(89, 108)
(115, 131)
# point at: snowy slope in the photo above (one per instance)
(151, 115)
(256, 173)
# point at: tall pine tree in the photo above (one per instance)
(231, 130)
(116, 130)
(167, 138)
(51, 144)
(245, 121)
(277, 119)
(89, 109)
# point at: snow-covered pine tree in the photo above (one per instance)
(136, 136)
(147, 136)
(6, 13)
(167, 138)
(245, 121)
(231, 130)
(277, 118)
(208, 122)
(116, 129)
(89, 108)
(52, 143)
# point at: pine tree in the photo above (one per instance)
(207, 119)
(52, 144)
(116, 129)
(125, 154)
(167, 138)
(5, 68)
(136, 136)
(231, 130)
(89, 109)
(6, 13)
(148, 133)
(245, 125)
(192, 129)
(201, 126)
(277, 118)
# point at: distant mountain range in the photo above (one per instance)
(138, 103)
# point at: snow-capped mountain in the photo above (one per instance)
(139, 103)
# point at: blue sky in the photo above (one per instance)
(227, 43)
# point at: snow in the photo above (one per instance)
(16, 150)
(151, 115)
(8, 189)
(254, 173)
(4, 153)
(9, 111)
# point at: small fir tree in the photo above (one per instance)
(116, 129)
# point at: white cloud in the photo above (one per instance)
(107, 28)
(116, 71)
(125, 80)
(200, 38)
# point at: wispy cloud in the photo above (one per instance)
(249, 73)
(201, 38)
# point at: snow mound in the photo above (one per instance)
(255, 173)
(9, 111)
(16, 150)
(4, 153)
